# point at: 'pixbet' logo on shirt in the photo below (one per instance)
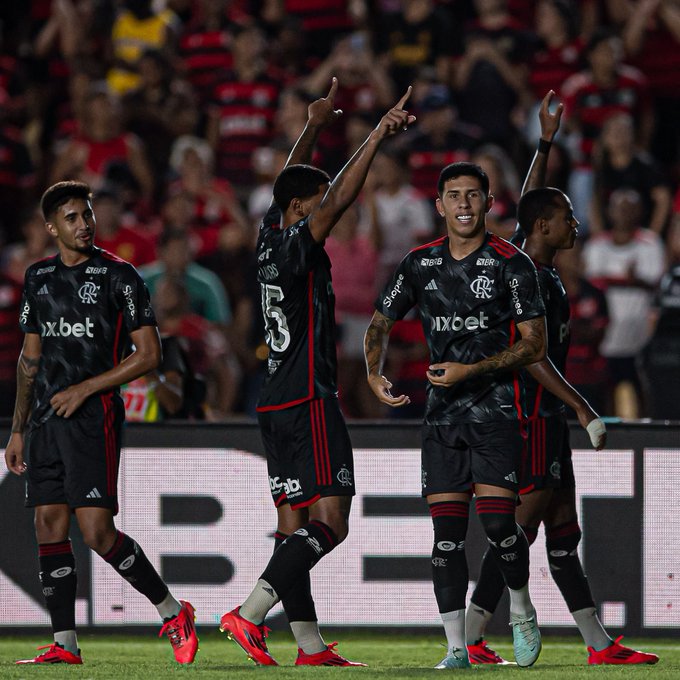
(458, 323)
(64, 329)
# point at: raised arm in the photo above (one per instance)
(320, 114)
(528, 350)
(346, 186)
(550, 124)
(375, 352)
(27, 369)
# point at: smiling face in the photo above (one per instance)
(73, 226)
(464, 205)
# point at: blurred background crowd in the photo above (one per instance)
(180, 113)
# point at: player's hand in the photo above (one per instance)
(550, 121)
(396, 118)
(594, 426)
(67, 402)
(381, 387)
(322, 112)
(447, 373)
(14, 454)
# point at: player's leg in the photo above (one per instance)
(491, 584)
(496, 460)
(563, 535)
(52, 518)
(447, 487)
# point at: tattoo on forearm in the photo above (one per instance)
(27, 368)
(375, 342)
(525, 351)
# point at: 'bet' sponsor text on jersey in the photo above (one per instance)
(64, 329)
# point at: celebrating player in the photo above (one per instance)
(80, 311)
(483, 320)
(547, 486)
(309, 454)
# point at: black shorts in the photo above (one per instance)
(75, 460)
(456, 457)
(309, 453)
(547, 463)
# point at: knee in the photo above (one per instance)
(51, 527)
(336, 521)
(99, 539)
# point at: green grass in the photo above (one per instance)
(389, 656)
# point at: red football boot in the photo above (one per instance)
(618, 654)
(55, 654)
(328, 657)
(249, 636)
(481, 653)
(181, 632)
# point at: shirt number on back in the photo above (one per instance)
(276, 324)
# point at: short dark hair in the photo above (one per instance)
(61, 193)
(298, 181)
(537, 204)
(462, 169)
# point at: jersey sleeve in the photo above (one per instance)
(398, 296)
(28, 320)
(299, 251)
(131, 297)
(524, 291)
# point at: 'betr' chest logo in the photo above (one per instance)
(481, 287)
(88, 293)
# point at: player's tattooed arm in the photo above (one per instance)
(528, 350)
(320, 114)
(375, 351)
(27, 369)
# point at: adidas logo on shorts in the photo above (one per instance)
(94, 493)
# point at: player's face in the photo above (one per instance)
(562, 226)
(73, 225)
(464, 206)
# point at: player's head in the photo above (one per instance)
(464, 199)
(67, 208)
(300, 188)
(547, 213)
(463, 169)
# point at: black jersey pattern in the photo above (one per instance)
(298, 304)
(469, 310)
(540, 402)
(84, 315)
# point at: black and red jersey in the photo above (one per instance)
(540, 402)
(298, 305)
(469, 310)
(84, 316)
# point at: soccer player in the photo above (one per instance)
(80, 311)
(483, 319)
(547, 486)
(309, 453)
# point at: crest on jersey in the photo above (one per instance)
(481, 287)
(88, 293)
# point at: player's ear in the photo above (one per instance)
(489, 202)
(297, 207)
(438, 205)
(52, 230)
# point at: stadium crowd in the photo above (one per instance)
(180, 113)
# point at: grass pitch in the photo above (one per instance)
(141, 657)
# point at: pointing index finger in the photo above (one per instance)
(333, 90)
(404, 99)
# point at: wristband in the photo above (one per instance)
(596, 431)
(544, 146)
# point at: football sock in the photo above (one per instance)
(449, 566)
(591, 629)
(520, 602)
(58, 579)
(476, 619)
(169, 607)
(300, 610)
(454, 627)
(68, 640)
(129, 560)
(507, 541)
(261, 599)
(565, 566)
(487, 593)
(297, 555)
